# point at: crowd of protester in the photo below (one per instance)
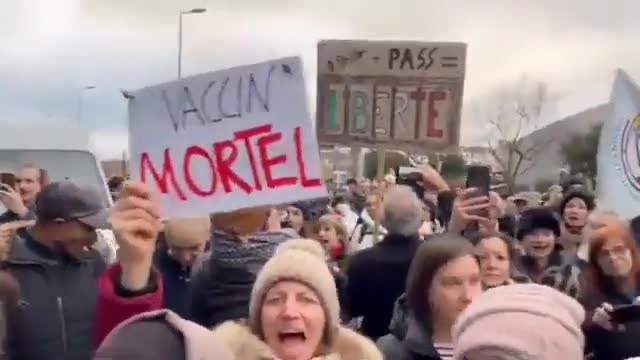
(382, 270)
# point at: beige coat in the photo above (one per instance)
(246, 346)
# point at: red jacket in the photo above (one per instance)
(113, 309)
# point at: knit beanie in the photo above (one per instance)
(304, 261)
(537, 218)
(528, 321)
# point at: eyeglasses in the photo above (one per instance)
(617, 251)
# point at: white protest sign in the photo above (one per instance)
(619, 150)
(226, 140)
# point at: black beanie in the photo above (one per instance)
(586, 196)
(312, 209)
(537, 218)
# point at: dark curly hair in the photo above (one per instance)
(586, 196)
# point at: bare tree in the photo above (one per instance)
(519, 110)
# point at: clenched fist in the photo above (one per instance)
(135, 219)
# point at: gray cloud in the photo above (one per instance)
(54, 48)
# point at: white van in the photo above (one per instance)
(65, 153)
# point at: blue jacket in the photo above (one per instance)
(177, 283)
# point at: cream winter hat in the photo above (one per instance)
(304, 261)
(527, 321)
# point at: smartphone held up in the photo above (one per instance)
(479, 178)
(7, 180)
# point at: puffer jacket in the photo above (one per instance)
(407, 339)
(221, 288)
(349, 345)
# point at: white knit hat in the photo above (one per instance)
(301, 260)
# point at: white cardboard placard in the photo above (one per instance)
(226, 140)
(399, 95)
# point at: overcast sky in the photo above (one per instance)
(52, 48)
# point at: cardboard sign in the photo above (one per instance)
(399, 95)
(226, 140)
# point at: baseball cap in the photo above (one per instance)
(66, 201)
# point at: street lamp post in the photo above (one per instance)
(80, 97)
(184, 12)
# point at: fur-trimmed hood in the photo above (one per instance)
(349, 345)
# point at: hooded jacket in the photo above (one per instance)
(244, 345)
(407, 339)
(161, 335)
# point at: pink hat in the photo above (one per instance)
(527, 321)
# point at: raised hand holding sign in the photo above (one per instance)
(135, 219)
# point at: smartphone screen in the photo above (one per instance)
(8, 179)
(626, 313)
(479, 177)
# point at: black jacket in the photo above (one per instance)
(376, 278)
(611, 345)
(407, 340)
(177, 283)
(55, 315)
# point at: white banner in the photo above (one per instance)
(226, 140)
(619, 150)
